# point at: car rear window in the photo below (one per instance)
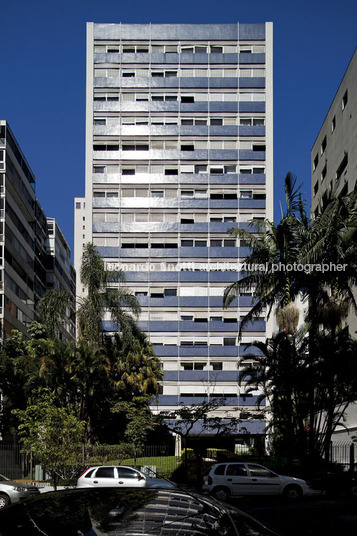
(105, 472)
(89, 474)
(219, 470)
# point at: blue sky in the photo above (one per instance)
(42, 80)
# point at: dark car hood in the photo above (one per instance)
(109, 512)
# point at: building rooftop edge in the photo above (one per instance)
(334, 97)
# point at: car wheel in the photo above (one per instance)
(292, 492)
(4, 500)
(221, 494)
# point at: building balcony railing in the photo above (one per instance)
(183, 58)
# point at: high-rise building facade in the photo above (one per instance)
(334, 153)
(60, 274)
(333, 169)
(26, 272)
(179, 149)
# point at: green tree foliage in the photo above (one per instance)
(279, 370)
(304, 380)
(53, 434)
(92, 374)
(272, 244)
(139, 421)
(88, 369)
(28, 366)
(286, 376)
(51, 309)
(92, 378)
(135, 368)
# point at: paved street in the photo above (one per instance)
(311, 516)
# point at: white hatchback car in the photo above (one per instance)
(118, 476)
(237, 478)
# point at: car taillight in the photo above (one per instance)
(85, 470)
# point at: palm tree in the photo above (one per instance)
(279, 373)
(102, 297)
(332, 375)
(332, 239)
(136, 370)
(271, 246)
(51, 309)
(88, 368)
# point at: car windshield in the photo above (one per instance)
(2, 478)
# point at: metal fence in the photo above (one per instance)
(344, 454)
(159, 458)
(13, 464)
(156, 459)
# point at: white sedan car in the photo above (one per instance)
(118, 476)
(241, 478)
(12, 492)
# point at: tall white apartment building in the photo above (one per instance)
(179, 149)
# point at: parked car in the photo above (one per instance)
(335, 481)
(119, 476)
(12, 492)
(127, 512)
(238, 478)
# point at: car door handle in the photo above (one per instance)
(229, 479)
(254, 480)
(95, 481)
(120, 482)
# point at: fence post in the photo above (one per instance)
(352, 456)
(31, 466)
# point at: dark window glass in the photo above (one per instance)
(105, 472)
(89, 474)
(219, 470)
(125, 472)
(236, 469)
(190, 147)
(170, 292)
